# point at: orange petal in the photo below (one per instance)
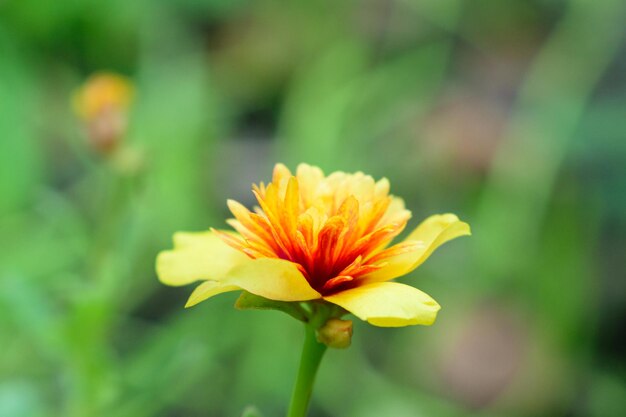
(428, 236)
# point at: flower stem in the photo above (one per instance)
(312, 353)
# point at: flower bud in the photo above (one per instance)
(103, 103)
(335, 333)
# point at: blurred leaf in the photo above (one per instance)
(395, 93)
(549, 106)
(316, 110)
(444, 13)
(251, 411)
(31, 311)
(339, 106)
(608, 396)
(20, 399)
(20, 159)
(563, 263)
(189, 349)
(174, 123)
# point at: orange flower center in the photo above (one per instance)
(334, 228)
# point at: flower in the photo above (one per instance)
(103, 103)
(316, 237)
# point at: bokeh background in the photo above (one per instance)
(511, 114)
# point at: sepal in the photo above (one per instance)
(249, 301)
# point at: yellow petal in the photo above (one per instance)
(388, 304)
(196, 256)
(275, 279)
(208, 289)
(309, 179)
(428, 236)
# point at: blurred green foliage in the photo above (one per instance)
(508, 113)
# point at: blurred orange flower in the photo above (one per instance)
(103, 103)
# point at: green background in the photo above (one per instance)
(511, 114)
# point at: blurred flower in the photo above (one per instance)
(316, 237)
(103, 103)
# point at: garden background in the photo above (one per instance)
(511, 114)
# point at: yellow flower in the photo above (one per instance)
(316, 237)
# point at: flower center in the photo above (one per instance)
(334, 228)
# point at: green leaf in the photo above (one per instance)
(248, 301)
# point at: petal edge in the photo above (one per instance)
(196, 256)
(207, 290)
(428, 236)
(388, 304)
(275, 279)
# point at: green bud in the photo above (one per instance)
(335, 333)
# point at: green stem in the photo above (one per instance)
(312, 353)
